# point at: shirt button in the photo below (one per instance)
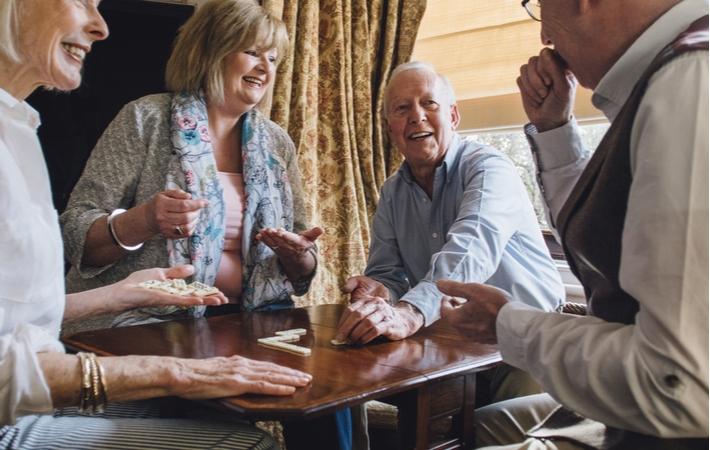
(434, 235)
(671, 381)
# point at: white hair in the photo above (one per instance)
(8, 30)
(418, 66)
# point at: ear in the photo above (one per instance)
(455, 117)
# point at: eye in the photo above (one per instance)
(272, 59)
(251, 53)
(400, 109)
(430, 104)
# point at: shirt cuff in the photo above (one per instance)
(512, 324)
(427, 298)
(558, 147)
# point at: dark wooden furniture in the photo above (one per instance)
(429, 376)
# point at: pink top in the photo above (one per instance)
(229, 276)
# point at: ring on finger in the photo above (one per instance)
(179, 230)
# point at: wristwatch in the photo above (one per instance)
(112, 231)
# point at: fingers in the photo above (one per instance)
(165, 299)
(174, 214)
(181, 271)
(552, 67)
(363, 320)
(266, 388)
(177, 201)
(456, 289)
(313, 234)
(533, 83)
(272, 379)
(351, 284)
(285, 243)
(446, 308)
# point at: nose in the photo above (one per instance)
(544, 38)
(97, 27)
(417, 114)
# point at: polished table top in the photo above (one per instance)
(342, 376)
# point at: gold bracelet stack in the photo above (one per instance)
(93, 397)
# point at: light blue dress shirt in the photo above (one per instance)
(478, 227)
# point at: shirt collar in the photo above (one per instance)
(617, 84)
(449, 162)
(19, 109)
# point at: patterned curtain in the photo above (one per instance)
(328, 96)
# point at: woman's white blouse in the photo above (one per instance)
(31, 262)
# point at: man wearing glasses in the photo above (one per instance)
(633, 218)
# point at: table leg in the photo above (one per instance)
(466, 418)
(413, 419)
(455, 397)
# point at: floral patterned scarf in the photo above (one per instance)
(269, 203)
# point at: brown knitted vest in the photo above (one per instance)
(592, 220)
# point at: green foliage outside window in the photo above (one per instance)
(514, 144)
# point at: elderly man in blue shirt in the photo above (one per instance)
(455, 209)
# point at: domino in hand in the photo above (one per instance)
(179, 287)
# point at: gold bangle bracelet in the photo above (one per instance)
(85, 391)
(102, 380)
(92, 396)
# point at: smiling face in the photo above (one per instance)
(247, 77)
(421, 117)
(54, 38)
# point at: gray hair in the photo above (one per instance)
(419, 66)
(8, 30)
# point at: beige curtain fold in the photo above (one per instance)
(328, 95)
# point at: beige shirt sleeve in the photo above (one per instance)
(650, 377)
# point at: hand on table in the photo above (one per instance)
(547, 89)
(477, 317)
(236, 375)
(361, 286)
(173, 213)
(129, 294)
(370, 317)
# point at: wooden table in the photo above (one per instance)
(428, 376)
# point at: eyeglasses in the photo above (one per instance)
(533, 9)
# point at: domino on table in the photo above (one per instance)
(296, 331)
(283, 346)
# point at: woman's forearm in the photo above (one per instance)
(127, 377)
(300, 266)
(131, 228)
(90, 303)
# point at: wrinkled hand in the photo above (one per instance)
(173, 213)
(477, 317)
(228, 377)
(287, 245)
(547, 89)
(129, 294)
(371, 317)
(361, 287)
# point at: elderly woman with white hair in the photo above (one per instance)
(198, 175)
(43, 43)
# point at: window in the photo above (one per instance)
(512, 142)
